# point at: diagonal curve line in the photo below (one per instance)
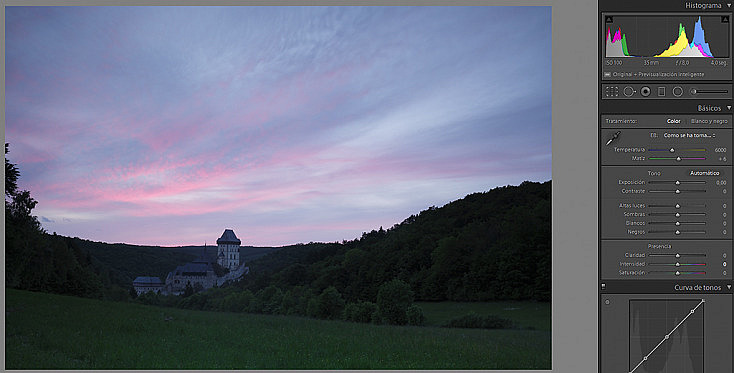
(669, 333)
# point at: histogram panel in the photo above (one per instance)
(667, 36)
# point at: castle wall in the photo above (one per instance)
(177, 283)
(233, 275)
(145, 289)
(231, 258)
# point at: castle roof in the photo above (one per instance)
(203, 258)
(228, 237)
(147, 281)
(194, 269)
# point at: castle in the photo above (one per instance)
(228, 248)
(200, 272)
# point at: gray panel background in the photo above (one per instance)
(574, 136)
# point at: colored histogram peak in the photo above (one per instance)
(699, 41)
(678, 46)
(617, 42)
(624, 45)
(683, 47)
(617, 35)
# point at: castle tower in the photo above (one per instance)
(228, 251)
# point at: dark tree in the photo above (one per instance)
(11, 176)
(329, 305)
(188, 290)
(198, 287)
(360, 312)
(20, 209)
(415, 315)
(393, 301)
(18, 204)
(133, 292)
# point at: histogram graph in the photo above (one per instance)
(666, 335)
(666, 36)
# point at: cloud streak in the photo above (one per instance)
(165, 125)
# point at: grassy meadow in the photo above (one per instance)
(528, 315)
(47, 331)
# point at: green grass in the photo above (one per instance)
(46, 331)
(533, 315)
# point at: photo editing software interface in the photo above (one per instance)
(665, 187)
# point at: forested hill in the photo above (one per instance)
(120, 263)
(38, 261)
(53, 263)
(485, 246)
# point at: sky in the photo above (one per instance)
(167, 125)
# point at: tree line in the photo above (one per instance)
(38, 261)
(493, 245)
(394, 304)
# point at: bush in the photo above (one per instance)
(295, 301)
(350, 312)
(237, 302)
(289, 304)
(360, 312)
(255, 306)
(496, 322)
(117, 293)
(415, 315)
(169, 300)
(377, 317)
(188, 290)
(393, 300)
(312, 309)
(329, 305)
(150, 298)
(271, 298)
(473, 320)
(193, 302)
